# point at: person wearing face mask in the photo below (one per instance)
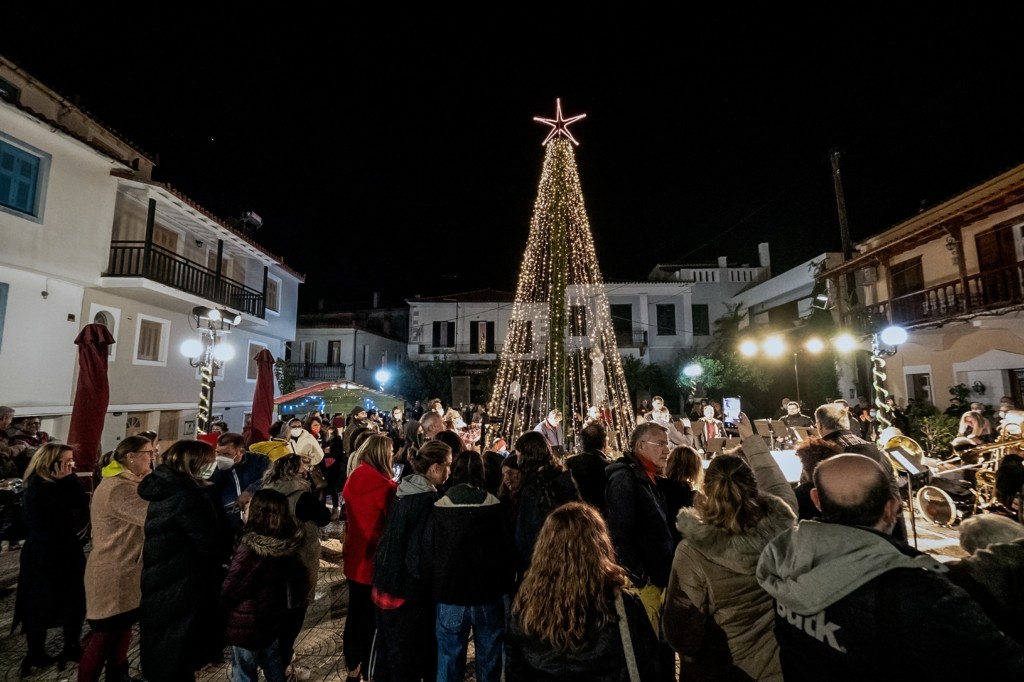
(184, 555)
(303, 443)
(706, 428)
(239, 474)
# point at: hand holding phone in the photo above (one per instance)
(731, 409)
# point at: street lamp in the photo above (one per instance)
(209, 353)
(693, 370)
(884, 344)
(382, 376)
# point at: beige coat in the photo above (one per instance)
(113, 572)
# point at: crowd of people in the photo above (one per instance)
(666, 561)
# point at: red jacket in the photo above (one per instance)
(368, 494)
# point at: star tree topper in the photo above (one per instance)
(559, 125)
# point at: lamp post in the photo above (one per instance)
(693, 370)
(884, 344)
(209, 353)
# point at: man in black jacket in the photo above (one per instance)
(588, 467)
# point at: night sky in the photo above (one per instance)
(398, 154)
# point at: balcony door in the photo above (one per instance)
(907, 283)
(997, 261)
(622, 324)
(334, 352)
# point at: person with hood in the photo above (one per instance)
(401, 591)
(467, 548)
(716, 615)
(264, 572)
(368, 493)
(289, 476)
(183, 557)
(851, 603)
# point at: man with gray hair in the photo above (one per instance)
(853, 604)
(833, 423)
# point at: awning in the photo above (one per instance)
(335, 396)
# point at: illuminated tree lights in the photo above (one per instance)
(561, 351)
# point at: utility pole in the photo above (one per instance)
(844, 229)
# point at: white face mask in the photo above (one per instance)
(223, 462)
(459, 424)
(296, 432)
(208, 470)
(657, 405)
(553, 421)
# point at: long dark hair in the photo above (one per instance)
(268, 514)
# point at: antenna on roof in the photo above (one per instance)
(248, 223)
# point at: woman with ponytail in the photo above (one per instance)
(113, 571)
(716, 614)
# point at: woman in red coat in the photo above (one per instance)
(368, 493)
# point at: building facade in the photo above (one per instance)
(88, 237)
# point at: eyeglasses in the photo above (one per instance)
(32, 423)
(663, 446)
(145, 452)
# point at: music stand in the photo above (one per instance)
(779, 428)
(714, 445)
(763, 427)
(903, 460)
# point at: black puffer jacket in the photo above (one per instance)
(397, 568)
(255, 594)
(542, 492)
(638, 523)
(182, 572)
(599, 659)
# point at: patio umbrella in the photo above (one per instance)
(92, 394)
(263, 398)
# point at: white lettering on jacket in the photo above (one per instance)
(816, 626)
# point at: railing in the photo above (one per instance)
(128, 259)
(323, 371)
(458, 349)
(991, 289)
(637, 338)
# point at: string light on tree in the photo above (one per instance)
(561, 351)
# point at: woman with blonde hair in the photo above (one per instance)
(568, 615)
(186, 544)
(368, 493)
(118, 516)
(52, 563)
(716, 614)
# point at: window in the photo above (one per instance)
(334, 352)
(109, 318)
(252, 369)
(23, 174)
(666, 319)
(366, 356)
(167, 239)
(309, 352)
(151, 338)
(272, 302)
(701, 323)
(481, 336)
(443, 335)
(577, 320)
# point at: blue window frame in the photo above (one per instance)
(19, 179)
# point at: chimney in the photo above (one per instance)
(376, 300)
(320, 304)
(764, 257)
(723, 261)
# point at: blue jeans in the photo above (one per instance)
(453, 624)
(244, 663)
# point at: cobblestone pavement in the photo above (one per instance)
(319, 644)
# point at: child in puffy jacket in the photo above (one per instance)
(265, 574)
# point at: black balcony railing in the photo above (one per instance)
(989, 290)
(637, 338)
(322, 371)
(130, 259)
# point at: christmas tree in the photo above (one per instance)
(561, 351)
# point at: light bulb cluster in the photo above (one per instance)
(561, 350)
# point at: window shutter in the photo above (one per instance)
(450, 341)
(474, 337)
(489, 346)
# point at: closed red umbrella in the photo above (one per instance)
(92, 395)
(263, 398)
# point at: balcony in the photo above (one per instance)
(320, 371)
(460, 349)
(131, 259)
(990, 290)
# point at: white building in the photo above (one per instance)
(349, 345)
(87, 236)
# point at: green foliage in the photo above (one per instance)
(426, 380)
(935, 432)
(961, 392)
(286, 374)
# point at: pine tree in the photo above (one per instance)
(561, 351)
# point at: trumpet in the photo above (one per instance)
(975, 451)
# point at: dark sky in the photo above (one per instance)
(397, 153)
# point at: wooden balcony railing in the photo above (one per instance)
(130, 259)
(989, 290)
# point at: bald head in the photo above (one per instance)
(854, 490)
(432, 425)
(832, 417)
